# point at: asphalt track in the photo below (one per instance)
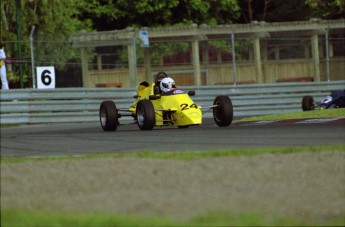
(89, 138)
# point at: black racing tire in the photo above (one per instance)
(308, 103)
(108, 116)
(145, 114)
(223, 111)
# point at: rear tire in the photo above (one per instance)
(308, 103)
(145, 114)
(108, 116)
(223, 112)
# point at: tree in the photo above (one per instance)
(51, 18)
(327, 9)
(283, 11)
(119, 14)
(54, 20)
(290, 10)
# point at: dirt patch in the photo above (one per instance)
(305, 185)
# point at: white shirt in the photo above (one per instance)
(2, 53)
(2, 56)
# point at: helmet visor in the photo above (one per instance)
(168, 85)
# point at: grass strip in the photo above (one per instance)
(42, 218)
(227, 218)
(187, 155)
(213, 218)
(324, 113)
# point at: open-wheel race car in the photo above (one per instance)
(335, 100)
(162, 104)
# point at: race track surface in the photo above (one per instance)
(89, 138)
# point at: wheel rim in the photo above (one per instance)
(103, 117)
(218, 112)
(140, 116)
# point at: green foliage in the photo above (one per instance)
(54, 20)
(111, 14)
(292, 10)
(327, 9)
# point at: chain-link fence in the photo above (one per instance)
(282, 57)
(60, 54)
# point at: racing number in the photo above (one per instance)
(185, 106)
(46, 78)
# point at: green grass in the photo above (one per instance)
(326, 113)
(221, 218)
(227, 218)
(187, 155)
(42, 218)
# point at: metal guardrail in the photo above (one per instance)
(68, 105)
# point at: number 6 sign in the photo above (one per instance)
(45, 77)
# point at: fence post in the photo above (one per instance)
(132, 63)
(147, 65)
(19, 43)
(196, 62)
(84, 66)
(32, 57)
(257, 58)
(327, 54)
(233, 57)
(316, 57)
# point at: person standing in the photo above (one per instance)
(3, 75)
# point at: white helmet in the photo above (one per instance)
(167, 84)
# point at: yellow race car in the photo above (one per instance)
(162, 104)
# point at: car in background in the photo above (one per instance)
(335, 100)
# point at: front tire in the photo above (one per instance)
(108, 116)
(308, 103)
(223, 112)
(145, 114)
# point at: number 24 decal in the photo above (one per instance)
(185, 106)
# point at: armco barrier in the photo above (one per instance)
(67, 105)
